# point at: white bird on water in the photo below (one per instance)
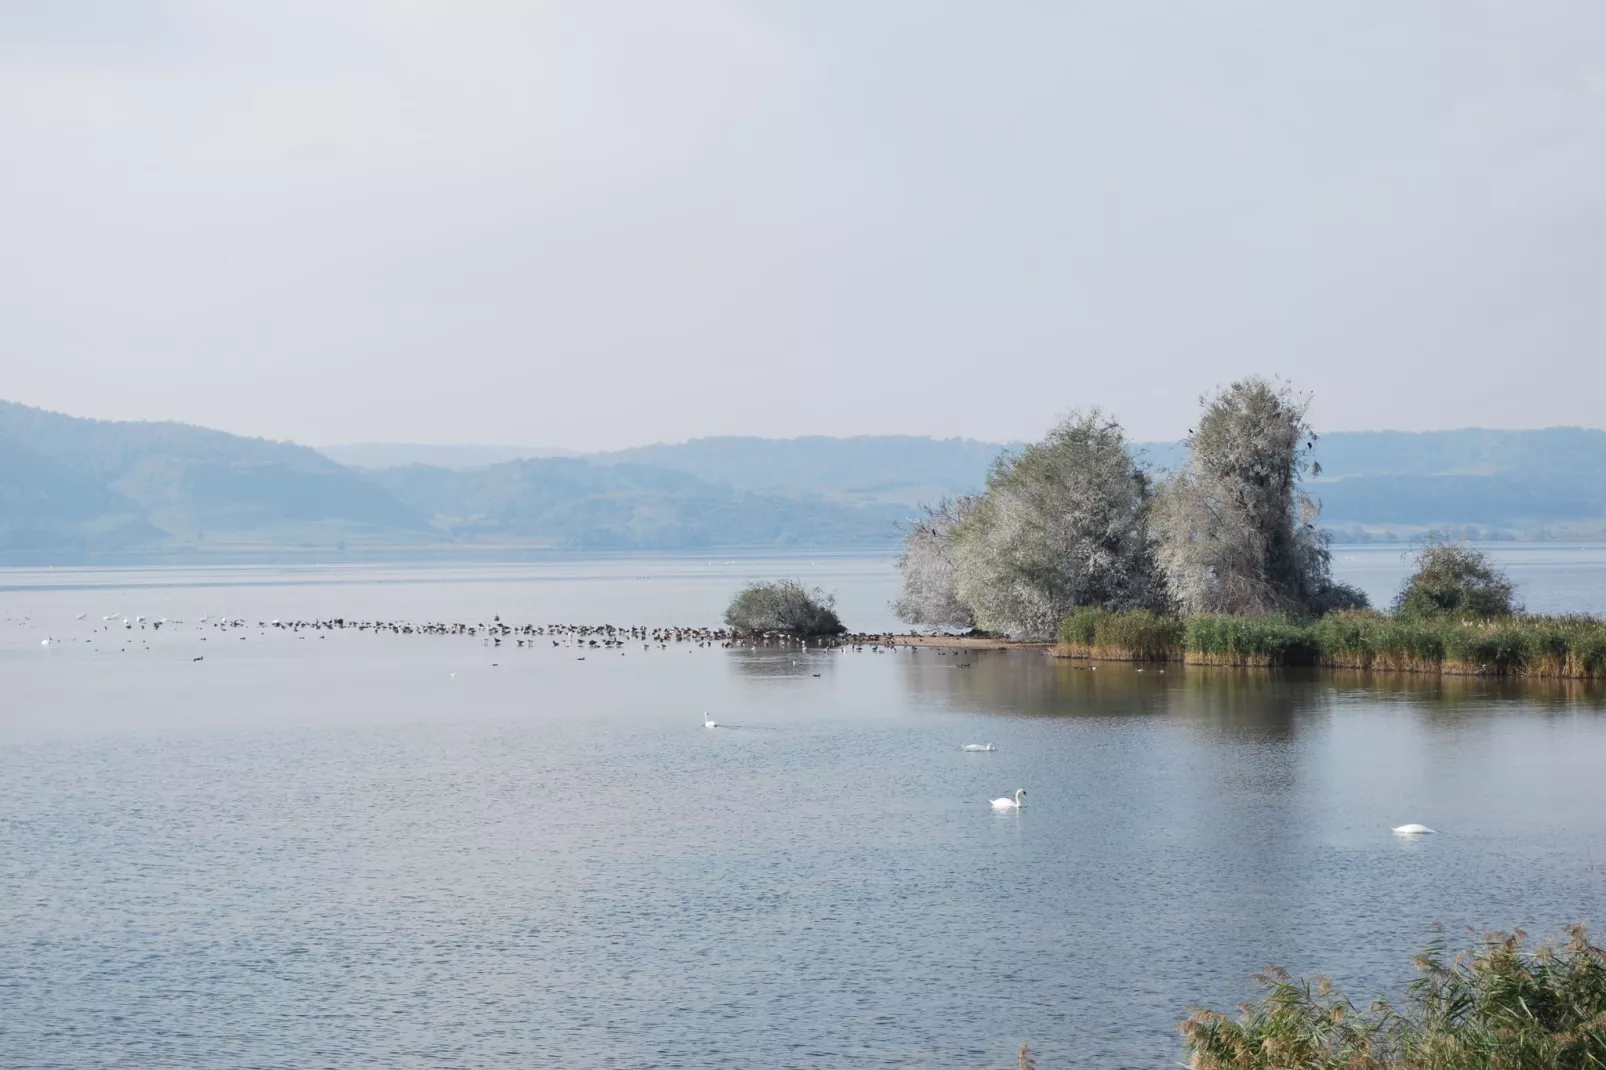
(1010, 804)
(708, 722)
(978, 746)
(1412, 830)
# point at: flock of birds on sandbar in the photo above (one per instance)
(589, 638)
(581, 637)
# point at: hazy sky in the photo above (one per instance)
(594, 224)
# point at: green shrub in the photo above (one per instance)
(1500, 1006)
(1454, 579)
(784, 606)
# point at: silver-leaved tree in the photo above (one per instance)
(1063, 524)
(929, 598)
(1237, 533)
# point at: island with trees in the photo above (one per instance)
(1222, 562)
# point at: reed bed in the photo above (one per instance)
(1249, 642)
(1563, 647)
(1501, 1005)
(1136, 635)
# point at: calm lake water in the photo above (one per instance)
(353, 849)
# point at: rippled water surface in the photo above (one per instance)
(349, 849)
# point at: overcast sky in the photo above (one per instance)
(594, 224)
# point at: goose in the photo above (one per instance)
(1412, 830)
(1010, 804)
(978, 746)
(707, 722)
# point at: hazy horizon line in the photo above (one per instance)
(553, 450)
(571, 451)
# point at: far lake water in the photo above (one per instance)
(356, 850)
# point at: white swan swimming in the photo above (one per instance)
(1009, 804)
(978, 746)
(1412, 830)
(707, 722)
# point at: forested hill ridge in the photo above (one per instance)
(78, 485)
(1488, 483)
(70, 485)
(903, 469)
(1480, 483)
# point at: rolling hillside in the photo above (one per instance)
(627, 506)
(101, 484)
(75, 486)
(865, 469)
(70, 485)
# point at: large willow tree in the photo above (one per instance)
(1063, 524)
(1237, 533)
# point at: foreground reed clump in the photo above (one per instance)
(1500, 1005)
(1565, 647)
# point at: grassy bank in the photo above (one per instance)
(1572, 647)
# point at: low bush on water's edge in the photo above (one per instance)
(1500, 1004)
(784, 607)
(1568, 647)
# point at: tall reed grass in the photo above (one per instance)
(1249, 641)
(1563, 647)
(1501, 1005)
(1136, 635)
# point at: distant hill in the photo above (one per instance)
(70, 485)
(1496, 484)
(45, 504)
(626, 506)
(396, 454)
(102, 484)
(1576, 451)
(1521, 484)
(865, 469)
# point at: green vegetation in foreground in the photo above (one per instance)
(786, 607)
(1496, 1006)
(1557, 647)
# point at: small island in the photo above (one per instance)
(786, 608)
